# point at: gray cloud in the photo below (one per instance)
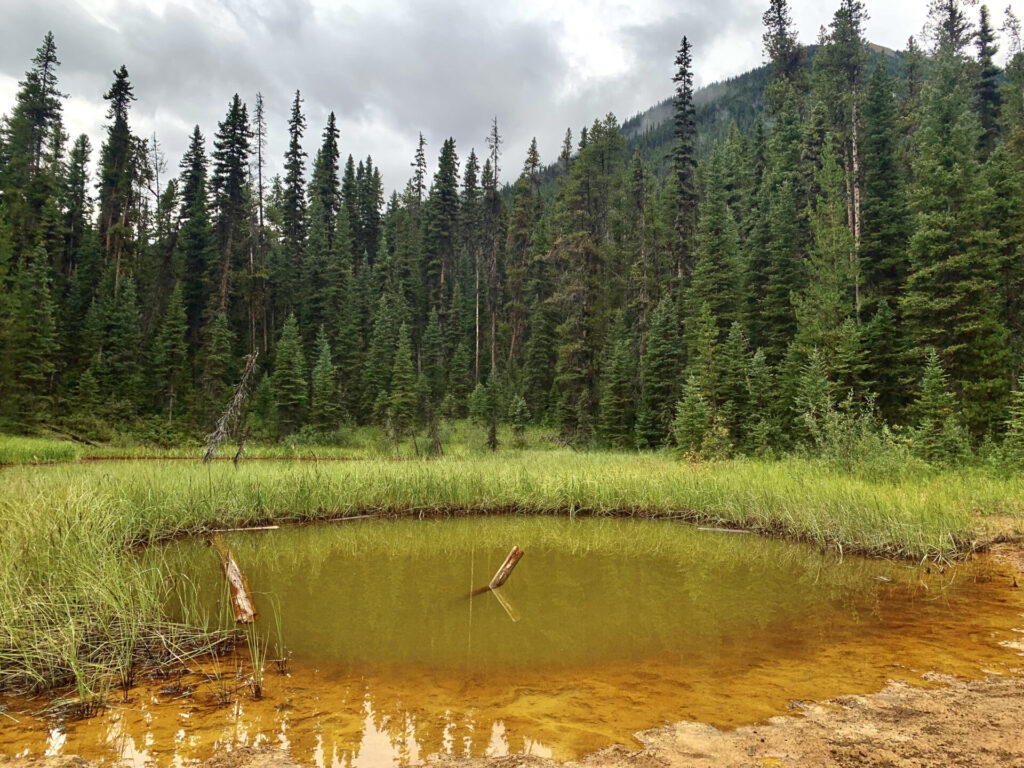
(443, 67)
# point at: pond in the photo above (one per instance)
(606, 627)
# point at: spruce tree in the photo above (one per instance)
(294, 200)
(1013, 442)
(323, 411)
(432, 360)
(289, 378)
(195, 248)
(762, 432)
(987, 96)
(215, 379)
(734, 364)
(716, 273)
(659, 375)
(31, 341)
(684, 160)
(402, 400)
(380, 356)
(952, 301)
(827, 300)
(230, 196)
(886, 227)
(31, 139)
(519, 418)
(170, 355)
(938, 435)
(618, 389)
(122, 349)
(118, 166)
(693, 418)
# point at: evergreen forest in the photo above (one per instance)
(830, 246)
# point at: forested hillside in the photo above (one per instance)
(844, 253)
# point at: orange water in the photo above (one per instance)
(607, 628)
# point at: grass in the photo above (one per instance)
(77, 609)
(461, 439)
(15, 449)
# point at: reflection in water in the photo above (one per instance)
(605, 628)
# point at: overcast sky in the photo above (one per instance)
(390, 70)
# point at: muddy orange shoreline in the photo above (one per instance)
(956, 723)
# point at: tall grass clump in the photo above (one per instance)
(77, 610)
(15, 449)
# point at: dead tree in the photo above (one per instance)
(229, 419)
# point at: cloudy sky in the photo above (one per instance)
(391, 69)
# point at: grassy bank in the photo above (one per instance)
(77, 607)
(15, 449)
(460, 439)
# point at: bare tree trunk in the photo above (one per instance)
(492, 290)
(225, 269)
(855, 256)
(476, 342)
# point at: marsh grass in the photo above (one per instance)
(79, 609)
(15, 449)
(256, 644)
(460, 439)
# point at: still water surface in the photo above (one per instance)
(605, 628)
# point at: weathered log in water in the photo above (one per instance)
(241, 596)
(506, 568)
(502, 574)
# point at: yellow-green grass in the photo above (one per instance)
(76, 605)
(459, 439)
(15, 449)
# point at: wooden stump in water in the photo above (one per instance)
(503, 572)
(506, 568)
(241, 596)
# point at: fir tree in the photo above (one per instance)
(325, 184)
(693, 418)
(122, 349)
(432, 360)
(952, 300)
(170, 354)
(886, 227)
(117, 174)
(229, 188)
(195, 249)
(734, 364)
(814, 398)
(938, 435)
(1013, 443)
(684, 162)
(716, 274)
(323, 411)
(402, 400)
(519, 417)
(659, 374)
(376, 377)
(760, 391)
(618, 390)
(289, 378)
(31, 341)
(262, 416)
(216, 371)
(987, 97)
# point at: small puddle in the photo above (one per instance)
(605, 628)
